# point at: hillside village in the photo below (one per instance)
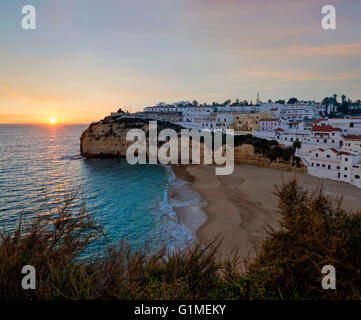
(329, 143)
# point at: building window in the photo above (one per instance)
(346, 168)
(318, 164)
(338, 167)
(345, 175)
(316, 155)
(328, 156)
(357, 176)
(346, 159)
(329, 167)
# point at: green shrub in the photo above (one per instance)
(313, 232)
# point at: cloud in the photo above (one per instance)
(296, 75)
(338, 50)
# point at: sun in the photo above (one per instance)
(52, 121)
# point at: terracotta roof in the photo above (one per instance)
(324, 128)
(345, 118)
(319, 149)
(352, 137)
(292, 109)
(295, 134)
(323, 150)
(319, 120)
(280, 130)
(343, 152)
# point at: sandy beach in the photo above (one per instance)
(241, 205)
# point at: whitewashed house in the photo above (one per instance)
(326, 136)
(352, 144)
(269, 124)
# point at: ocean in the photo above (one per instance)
(42, 163)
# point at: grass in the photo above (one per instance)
(314, 231)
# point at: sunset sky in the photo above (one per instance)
(88, 57)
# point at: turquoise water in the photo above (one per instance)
(41, 161)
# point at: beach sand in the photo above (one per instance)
(240, 206)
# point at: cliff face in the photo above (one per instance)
(245, 154)
(107, 138)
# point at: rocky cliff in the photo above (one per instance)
(245, 154)
(107, 138)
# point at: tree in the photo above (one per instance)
(120, 110)
(280, 101)
(227, 102)
(343, 97)
(326, 101)
(292, 101)
(296, 144)
(195, 103)
(335, 98)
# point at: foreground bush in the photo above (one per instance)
(57, 245)
(314, 232)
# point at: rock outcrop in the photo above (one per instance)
(245, 154)
(107, 138)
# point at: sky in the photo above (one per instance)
(87, 58)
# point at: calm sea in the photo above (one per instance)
(39, 162)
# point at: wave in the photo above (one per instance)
(184, 213)
(75, 157)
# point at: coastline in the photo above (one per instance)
(186, 203)
(240, 207)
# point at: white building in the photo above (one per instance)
(268, 124)
(352, 144)
(326, 136)
(297, 112)
(207, 119)
(348, 125)
(333, 164)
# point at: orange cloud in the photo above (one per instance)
(302, 75)
(330, 50)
